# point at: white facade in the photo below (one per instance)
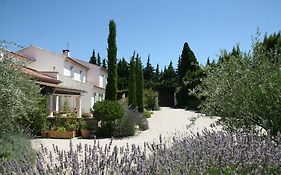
(97, 76)
(94, 70)
(73, 73)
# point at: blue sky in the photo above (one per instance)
(155, 27)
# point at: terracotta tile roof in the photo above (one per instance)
(75, 62)
(91, 65)
(18, 55)
(39, 76)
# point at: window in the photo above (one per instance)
(102, 81)
(81, 75)
(71, 71)
(92, 101)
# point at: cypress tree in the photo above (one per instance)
(99, 60)
(148, 74)
(187, 63)
(139, 84)
(123, 74)
(111, 87)
(157, 73)
(104, 64)
(169, 73)
(93, 58)
(132, 100)
(208, 62)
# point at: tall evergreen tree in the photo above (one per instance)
(123, 74)
(104, 64)
(132, 99)
(187, 62)
(272, 41)
(111, 87)
(177, 71)
(99, 60)
(139, 84)
(93, 58)
(148, 71)
(208, 62)
(157, 73)
(169, 73)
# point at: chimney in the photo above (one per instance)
(66, 52)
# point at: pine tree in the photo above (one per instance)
(132, 100)
(111, 87)
(93, 58)
(139, 84)
(99, 60)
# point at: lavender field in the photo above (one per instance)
(207, 153)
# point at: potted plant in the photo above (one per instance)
(61, 133)
(45, 128)
(85, 130)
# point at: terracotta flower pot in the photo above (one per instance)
(61, 134)
(85, 133)
(44, 134)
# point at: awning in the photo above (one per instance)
(58, 89)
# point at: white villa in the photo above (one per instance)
(65, 79)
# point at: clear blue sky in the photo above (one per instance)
(155, 27)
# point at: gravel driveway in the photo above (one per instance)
(166, 122)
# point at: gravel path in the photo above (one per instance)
(166, 122)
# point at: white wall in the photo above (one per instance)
(44, 60)
(86, 101)
(76, 71)
(96, 75)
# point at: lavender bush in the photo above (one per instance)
(208, 153)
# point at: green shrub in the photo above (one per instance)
(138, 118)
(244, 90)
(143, 123)
(82, 124)
(46, 125)
(124, 127)
(69, 123)
(107, 112)
(16, 146)
(61, 129)
(147, 113)
(151, 99)
(18, 97)
(37, 119)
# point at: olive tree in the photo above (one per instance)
(245, 90)
(19, 94)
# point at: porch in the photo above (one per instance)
(62, 100)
